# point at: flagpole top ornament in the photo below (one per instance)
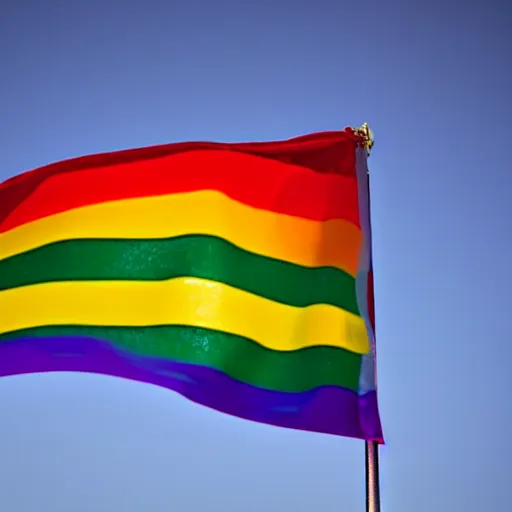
(365, 136)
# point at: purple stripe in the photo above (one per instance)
(330, 410)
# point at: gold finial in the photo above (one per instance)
(366, 136)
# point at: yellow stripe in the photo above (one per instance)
(304, 242)
(183, 301)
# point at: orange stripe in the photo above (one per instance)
(332, 243)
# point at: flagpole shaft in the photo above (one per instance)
(371, 447)
(372, 477)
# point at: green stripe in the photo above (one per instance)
(188, 256)
(238, 357)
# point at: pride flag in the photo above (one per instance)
(238, 275)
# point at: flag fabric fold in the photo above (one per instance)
(238, 275)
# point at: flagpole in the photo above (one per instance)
(372, 476)
(372, 473)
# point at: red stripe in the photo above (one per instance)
(264, 183)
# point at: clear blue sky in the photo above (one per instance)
(432, 80)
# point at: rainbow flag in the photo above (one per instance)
(238, 275)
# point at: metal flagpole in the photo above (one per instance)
(371, 447)
(372, 476)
